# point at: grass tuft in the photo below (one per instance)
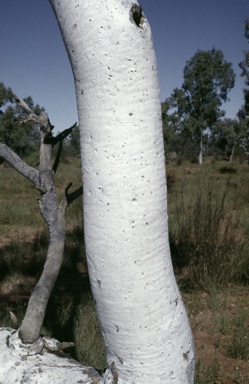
(205, 240)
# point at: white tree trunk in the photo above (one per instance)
(232, 153)
(201, 150)
(20, 363)
(142, 316)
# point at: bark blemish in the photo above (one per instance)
(136, 15)
(120, 359)
(186, 356)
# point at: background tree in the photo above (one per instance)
(175, 138)
(208, 78)
(170, 127)
(244, 65)
(227, 135)
(5, 97)
(21, 138)
(71, 146)
(74, 139)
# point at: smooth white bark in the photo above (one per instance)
(232, 153)
(142, 316)
(201, 150)
(20, 364)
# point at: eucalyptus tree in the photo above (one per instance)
(5, 97)
(229, 134)
(21, 138)
(243, 113)
(142, 316)
(244, 65)
(208, 78)
(173, 139)
(141, 313)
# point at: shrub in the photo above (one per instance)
(228, 170)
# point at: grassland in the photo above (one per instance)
(209, 231)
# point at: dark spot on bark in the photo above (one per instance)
(186, 356)
(136, 13)
(120, 360)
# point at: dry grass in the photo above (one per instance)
(209, 226)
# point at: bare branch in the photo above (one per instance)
(23, 168)
(20, 102)
(70, 197)
(61, 136)
(57, 158)
(59, 139)
(31, 117)
(42, 119)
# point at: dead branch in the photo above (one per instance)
(53, 214)
(23, 168)
(21, 102)
(70, 197)
(59, 139)
(42, 119)
(62, 135)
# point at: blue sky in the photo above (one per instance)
(33, 60)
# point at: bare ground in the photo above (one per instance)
(214, 319)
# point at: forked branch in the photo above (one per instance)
(53, 213)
